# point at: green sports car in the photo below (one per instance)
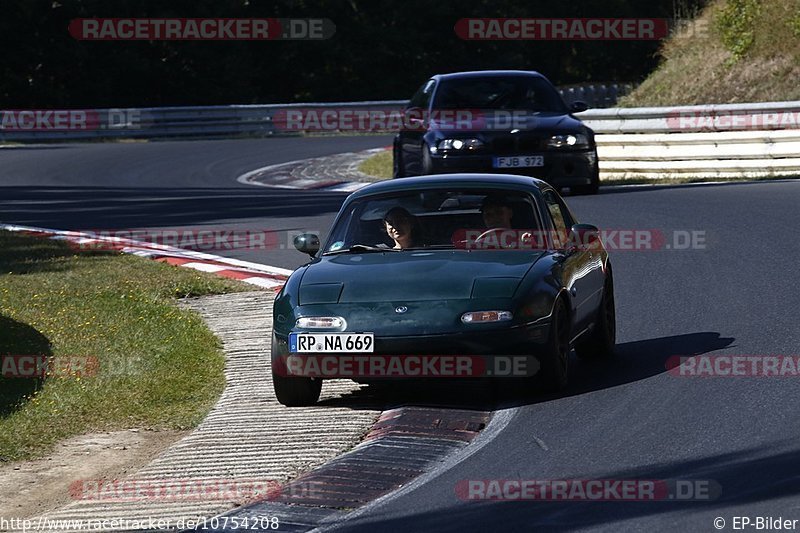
(434, 266)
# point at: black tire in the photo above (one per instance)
(592, 188)
(600, 342)
(296, 392)
(554, 361)
(427, 164)
(398, 168)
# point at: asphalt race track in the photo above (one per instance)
(624, 419)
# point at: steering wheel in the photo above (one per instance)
(488, 233)
(521, 240)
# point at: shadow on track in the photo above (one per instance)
(633, 361)
(746, 477)
(93, 208)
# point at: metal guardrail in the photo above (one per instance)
(715, 117)
(711, 141)
(209, 121)
(728, 140)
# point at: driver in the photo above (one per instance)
(497, 212)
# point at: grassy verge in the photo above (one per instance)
(733, 51)
(158, 366)
(378, 165)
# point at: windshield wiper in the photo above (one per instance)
(361, 248)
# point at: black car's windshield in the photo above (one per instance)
(430, 219)
(528, 93)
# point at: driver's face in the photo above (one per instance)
(497, 216)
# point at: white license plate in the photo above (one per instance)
(331, 342)
(519, 161)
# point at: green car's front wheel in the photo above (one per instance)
(600, 343)
(296, 392)
(554, 370)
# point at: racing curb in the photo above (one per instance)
(330, 173)
(253, 273)
(403, 445)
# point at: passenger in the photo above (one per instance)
(402, 227)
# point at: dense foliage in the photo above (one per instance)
(382, 49)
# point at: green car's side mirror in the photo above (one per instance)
(583, 237)
(308, 243)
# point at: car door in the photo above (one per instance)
(581, 268)
(415, 124)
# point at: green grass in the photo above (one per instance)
(738, 51)
(378, 165)
(159, 366)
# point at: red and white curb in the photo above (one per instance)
(253, 273)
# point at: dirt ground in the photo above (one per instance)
(30, 488)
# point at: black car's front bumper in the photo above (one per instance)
(561, 169)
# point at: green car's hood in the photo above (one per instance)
(414, 276)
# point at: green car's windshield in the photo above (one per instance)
(430, 219)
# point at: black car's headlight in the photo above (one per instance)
(458, 145)
(569, 141)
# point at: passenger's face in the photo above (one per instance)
(497, 216)
(401, 228)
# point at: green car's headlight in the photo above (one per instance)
(321, 322)
(482, 317)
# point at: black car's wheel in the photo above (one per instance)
(592, 188)
(600, 342)
(427, 163)
(296, 392)
(398, 168)
(554, 361)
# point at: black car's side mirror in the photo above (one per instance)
(414, 118)
(308, 243)
(583, 237)
(578, 107)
